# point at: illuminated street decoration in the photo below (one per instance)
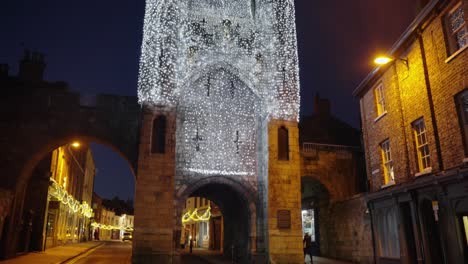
(110, 227)
(59, 193)
(226, 67)
(195, 217)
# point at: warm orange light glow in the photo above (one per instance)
(76, 144)
(382, 60)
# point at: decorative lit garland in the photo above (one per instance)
(62, 195)
(224, 65)
(194, 217)
(111, 227)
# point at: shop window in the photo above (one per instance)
(462, 105)
(387, 239)
(422, 145)
(456, 28)
(283, 143)
(379, 100)
(387, 162)
(158, 140)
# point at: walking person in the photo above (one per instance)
(191, 244)
(307, 241)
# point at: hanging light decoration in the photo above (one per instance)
(224, 66)
(59, 193)
(195, 217)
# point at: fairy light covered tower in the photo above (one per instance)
(219, 84)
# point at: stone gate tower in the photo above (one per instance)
(220, 90)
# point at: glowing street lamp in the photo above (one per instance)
(76, 144)
(382, 60)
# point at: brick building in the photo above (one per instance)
(415, 130)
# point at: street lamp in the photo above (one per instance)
(76, 144)
(383, 60)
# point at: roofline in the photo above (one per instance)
(403, 38)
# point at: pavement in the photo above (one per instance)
(213, 257)
(108, 252)
(55, 255)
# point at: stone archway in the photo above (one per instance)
(238, 204)
(37, 166)
(315, 198)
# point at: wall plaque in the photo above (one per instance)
(284, 219)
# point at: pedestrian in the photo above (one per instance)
(191, 244)
(307, 242)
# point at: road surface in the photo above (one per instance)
(116, 252)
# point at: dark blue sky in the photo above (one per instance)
(95, 47)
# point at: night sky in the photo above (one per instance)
(95, 47)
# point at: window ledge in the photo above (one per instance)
(455, 54)
(424, 172)
(465, 160)
(391, 183)
(380, 116)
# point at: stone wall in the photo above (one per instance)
(155, 237)
(284, 183)
(349, 231)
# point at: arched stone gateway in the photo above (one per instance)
(238, 204)
(224, 74)
(37, 124)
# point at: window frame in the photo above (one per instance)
(421, 142)
(387, 162)
(462, 118)
(379, 99)
(452, 40)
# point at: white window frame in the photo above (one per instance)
(387, 162)
(422, 145)
(380, 100)
(454, 46)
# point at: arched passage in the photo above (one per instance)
(238, 207)
(315, 199)
(24, 228)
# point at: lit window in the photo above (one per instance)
(457, 29)
(389, 176)
(379, 100)
(422, 145)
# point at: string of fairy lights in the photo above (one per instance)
(59, 193)
(224, 65)
(193, 216)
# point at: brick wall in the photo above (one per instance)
(407, 99)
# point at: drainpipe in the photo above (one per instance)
(430, 99)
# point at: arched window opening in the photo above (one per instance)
(283, 143)
(158, 140)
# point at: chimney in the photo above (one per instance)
(4, 70)
(32, 67)
(321, 106)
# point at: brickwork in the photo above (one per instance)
(285, 245)
(155, 221)
(423, 81)
(407, 99)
